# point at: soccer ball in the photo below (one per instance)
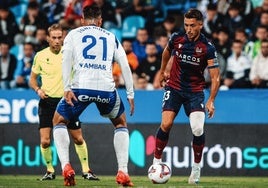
(159, 173)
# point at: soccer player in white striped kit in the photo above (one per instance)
(88, 54)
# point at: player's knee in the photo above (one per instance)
(197, 131)
(166, 126)
(78, 140)
(58, 119)
(197, 120)
(119, 122)
(45, 143)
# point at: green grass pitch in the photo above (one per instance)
(30, 181)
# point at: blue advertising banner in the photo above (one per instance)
(232, 106)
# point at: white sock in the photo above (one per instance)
(121, 146)
(157, 161)
(196, 164)
(62, 143)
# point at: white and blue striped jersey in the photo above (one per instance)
(88, 55)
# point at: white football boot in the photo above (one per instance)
(195, 174)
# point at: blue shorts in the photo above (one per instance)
(109, 104)
(191, 101)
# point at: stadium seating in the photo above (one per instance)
(131, 24)
(19, 11)
(117, 32)
(178, 6)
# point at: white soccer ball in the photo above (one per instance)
(159, 173)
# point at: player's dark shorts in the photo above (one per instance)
(46, 110)
(108, 103)
(192, 101)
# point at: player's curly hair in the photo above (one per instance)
(194, 13)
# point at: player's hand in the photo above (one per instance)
(131, 103)
(210, 108)
(69, 97)
(41, 94)
(162, 79)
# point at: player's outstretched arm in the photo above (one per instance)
(215, 84)
(132, 106)
(164, 70)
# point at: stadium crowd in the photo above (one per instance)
(237, 28)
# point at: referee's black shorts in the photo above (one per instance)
(46, 110)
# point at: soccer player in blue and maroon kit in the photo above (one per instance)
(183, 63)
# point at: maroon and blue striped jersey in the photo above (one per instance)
(189, 60)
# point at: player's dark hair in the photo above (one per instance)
(264, 40)
(91, 11)
(237, 41)
(212, 6)
(194, 13)
(261, 26)
(33, 5)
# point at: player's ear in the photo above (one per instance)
(201, 25)
(99, 22)
(82, 20)
(48, 38)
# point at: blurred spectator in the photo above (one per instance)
(241, 35)
(202, 6)
(265, 5)
(8, 25)
(168, 26)
(8, 63)
(72, 14)
(222, 6)
(138, 45)
(54, 10)
(145, 8)
(161, 41)
(9, 3)
(109, 14)
(238, 67)
(264, 18)
(33, 19)
(259, 69)
(234, 20)
(212, 21)
(246, 10)
(131, 56)
(253, 47)
(40, 39)
(245, 7)
(142, 83)
(132, 60)
(24, 66)
(258, 14)
(150, 65)
(223, 43)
